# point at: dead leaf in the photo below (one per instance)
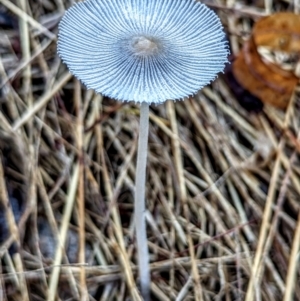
(277, 38)
(280, 31)
(262, 81)
(268, 63)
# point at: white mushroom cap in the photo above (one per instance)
(145, 51)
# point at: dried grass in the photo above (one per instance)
(222, 191)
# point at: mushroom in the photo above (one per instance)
(146, 52)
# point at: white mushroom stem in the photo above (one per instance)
(139, 203)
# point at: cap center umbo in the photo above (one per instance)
(144, 46)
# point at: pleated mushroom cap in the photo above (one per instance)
(145, 51)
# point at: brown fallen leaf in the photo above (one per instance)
(277, 38)
(267, 64)
(280, 31)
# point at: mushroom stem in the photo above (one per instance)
(139, 203)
